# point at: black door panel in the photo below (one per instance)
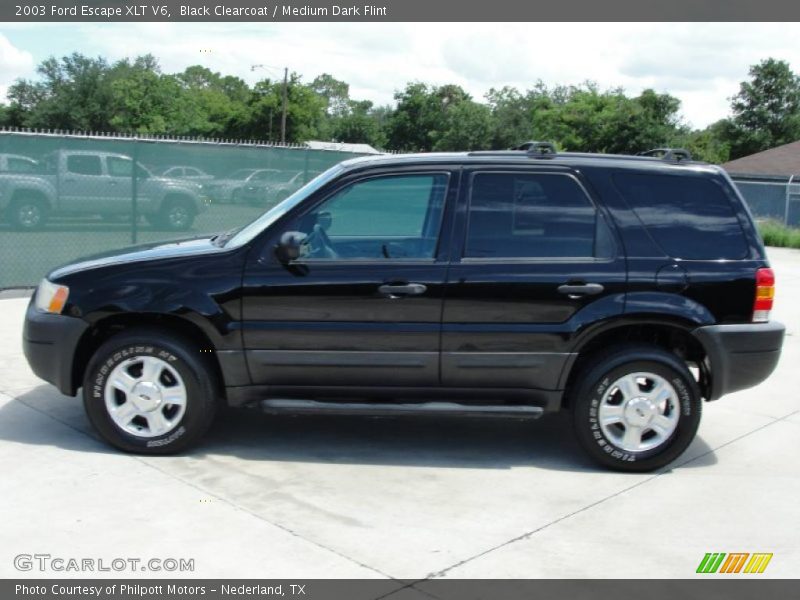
(538, 258)
(332, 321)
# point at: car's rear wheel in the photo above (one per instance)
(177, 214)
(636, 408)
(148, 392)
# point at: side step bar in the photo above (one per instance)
(420, 408)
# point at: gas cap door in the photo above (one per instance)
(672, 277)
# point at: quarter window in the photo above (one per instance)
(520, 215)
(689, 217)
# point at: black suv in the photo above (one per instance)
(624, 289)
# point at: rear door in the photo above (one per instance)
(120, 198)
(536, 261)
(83, 187)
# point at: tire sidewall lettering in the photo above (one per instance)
(99, 380)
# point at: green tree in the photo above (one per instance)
(335, 92)
(766, 111)
(73, 93)
(304, 115)
(143, 100)
(707, 144)
(512, 117)
(215, 105)
(467, 126)
(360, 123)
(423, 118)
(585, 119)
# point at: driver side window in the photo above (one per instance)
(391, 217)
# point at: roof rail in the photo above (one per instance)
(537, 148)
(676, 154)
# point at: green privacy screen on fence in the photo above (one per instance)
(67, 196)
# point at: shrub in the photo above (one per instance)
(777, 234)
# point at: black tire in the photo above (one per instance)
(589, 390)
(27, 213)
(176, 214)
(184, 358)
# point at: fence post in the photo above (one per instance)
(788, 201)
(135, 192)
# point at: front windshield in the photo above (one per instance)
(276, 212)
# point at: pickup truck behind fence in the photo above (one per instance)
(88, 183)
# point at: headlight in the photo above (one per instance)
(51, 297)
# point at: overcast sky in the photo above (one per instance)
(701, 63)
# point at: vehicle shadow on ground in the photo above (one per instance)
(421, 441)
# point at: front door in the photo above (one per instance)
(362, 305)
(536, 260)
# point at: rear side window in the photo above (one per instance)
(84, 164)
(533, 215)
(689, 217)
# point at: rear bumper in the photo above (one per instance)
(49, 342)
(741, 356)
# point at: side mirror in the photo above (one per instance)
(289, 246)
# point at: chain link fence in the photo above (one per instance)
(74, 195)
(771, 197)
(65, 196)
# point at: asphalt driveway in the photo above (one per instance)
(341, 497)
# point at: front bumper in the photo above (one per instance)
(741, 356)
(49, 342)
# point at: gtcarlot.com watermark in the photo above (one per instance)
(69, 564)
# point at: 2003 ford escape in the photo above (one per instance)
(626, 290)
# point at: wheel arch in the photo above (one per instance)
(671, 333)
(22, 193)
(105, 328)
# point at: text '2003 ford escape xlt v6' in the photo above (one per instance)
(626, 290)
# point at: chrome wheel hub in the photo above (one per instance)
(29, 215)
(145, 396)
(639, 412)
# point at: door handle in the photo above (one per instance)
(403, 289)
(576, 290)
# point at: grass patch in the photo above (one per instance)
(779, 235)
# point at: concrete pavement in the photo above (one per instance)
(405, 498)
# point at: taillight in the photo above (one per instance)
(765, 294)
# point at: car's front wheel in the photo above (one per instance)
(27, 213)
(636, 408)
(148, 392)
